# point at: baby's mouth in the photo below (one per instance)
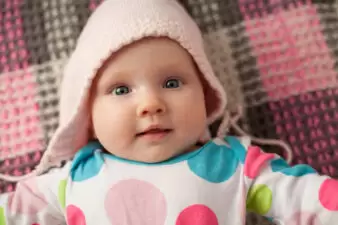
(154, 132)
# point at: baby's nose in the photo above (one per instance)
(150, 104)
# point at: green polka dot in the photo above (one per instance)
(62, 193)
(2, 216)
(259, 199)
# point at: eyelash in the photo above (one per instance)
(173, 78)
(115, 86)
(111, 90)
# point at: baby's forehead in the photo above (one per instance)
(147, 56)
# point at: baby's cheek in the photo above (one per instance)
(112, 128)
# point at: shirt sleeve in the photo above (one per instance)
(37, 200)
(292, 195)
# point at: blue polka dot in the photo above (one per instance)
(237, 147)
(214, 163)
(87, 162)
(280, 165)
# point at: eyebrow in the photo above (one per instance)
(171, 67)
(108, 79)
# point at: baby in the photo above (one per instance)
(137, 97)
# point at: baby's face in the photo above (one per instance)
(148, 102)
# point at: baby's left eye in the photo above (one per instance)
(172, 83)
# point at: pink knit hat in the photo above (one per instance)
(114, 24)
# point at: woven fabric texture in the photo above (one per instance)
(277, 58)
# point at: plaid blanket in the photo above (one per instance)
(277, 58)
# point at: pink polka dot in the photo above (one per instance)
(27, 199)
(47, 217)
(255, 160)
(75, 216)
(328, 194)
(135, 202)
(301, 218)
(197, 215)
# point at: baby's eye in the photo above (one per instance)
(121, 90)
(172, 83)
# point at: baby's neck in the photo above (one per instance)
(193, 148)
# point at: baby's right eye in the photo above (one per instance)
(121, 90)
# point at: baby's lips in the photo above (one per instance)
(156, 130)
